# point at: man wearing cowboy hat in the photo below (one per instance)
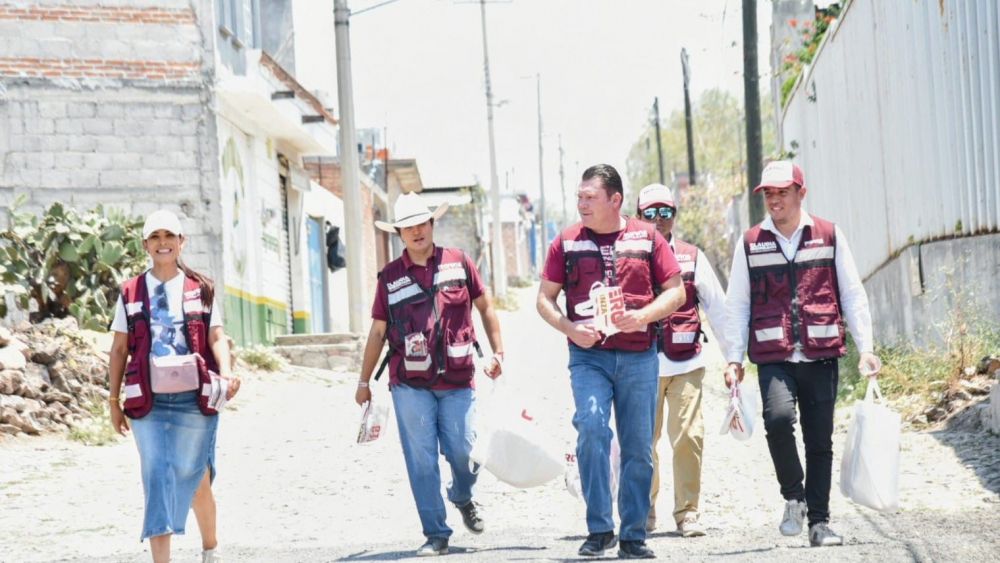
(423, 308)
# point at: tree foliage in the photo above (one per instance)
(66, 262)
(720, 161)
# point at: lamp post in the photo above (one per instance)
(541, 171)
(499, 269)
(349, 168)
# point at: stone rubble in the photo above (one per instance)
(49, 376)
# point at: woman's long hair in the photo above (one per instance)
(206, 283)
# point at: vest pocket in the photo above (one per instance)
(454, 296)
(821, 326)
(417, 356)
(459, 349)
(768, 333)
(132, 388)
(682, 333)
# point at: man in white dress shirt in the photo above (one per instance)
(681, 365)
(792, 286)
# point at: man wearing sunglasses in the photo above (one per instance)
(681, 365)
(792, 285)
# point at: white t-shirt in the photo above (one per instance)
(166, 323)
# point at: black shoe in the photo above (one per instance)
(470, 517)
(597, 543)
(433, 546)
(634, 549)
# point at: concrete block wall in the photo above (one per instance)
(914, 296)
(107, 102)
(518, 261)
(457, 229)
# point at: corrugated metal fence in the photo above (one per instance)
(897, 124)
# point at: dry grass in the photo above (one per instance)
(925, 376)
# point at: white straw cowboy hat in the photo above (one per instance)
(411, 210)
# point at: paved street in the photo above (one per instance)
(293, 486)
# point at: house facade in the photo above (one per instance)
(210, 108)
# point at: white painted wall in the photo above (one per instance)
(897, 124)
(254, 241)
(323, 205)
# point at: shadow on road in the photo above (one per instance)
(452, 550)
(979, 451)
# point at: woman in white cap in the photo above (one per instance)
(171, 354)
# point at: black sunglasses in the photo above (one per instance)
(666, 212)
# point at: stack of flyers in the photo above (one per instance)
(609, 306)
(217, 396)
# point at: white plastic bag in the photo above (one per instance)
(741, 416)
(511, 446)
(869, 469)
(572, 476)
(374, 417)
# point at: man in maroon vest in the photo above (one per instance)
(423, 308)
(613, 363)
(793, 284)
(681, 365)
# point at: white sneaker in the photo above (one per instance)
(211, 556)
(795, 514)
(820, 535)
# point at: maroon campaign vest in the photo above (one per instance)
(682, 329)
(138, 389)
(633, 252)
(794, 302)
(441, 313)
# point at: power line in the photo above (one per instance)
(372, 7)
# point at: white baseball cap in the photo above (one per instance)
(656, 194)
(161, 219)
(780, 174)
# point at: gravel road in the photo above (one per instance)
(293, 486)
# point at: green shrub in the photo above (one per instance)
(930, 373)
(520, 282)
(262, 358)
(97, 430)
(70, 263)
(506, 302)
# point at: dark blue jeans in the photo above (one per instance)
(813, 387)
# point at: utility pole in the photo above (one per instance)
(541, 172)
(751, 99)
(692, 175)
(562, 184)
(498, 269)
(656, 125)
(349, 168)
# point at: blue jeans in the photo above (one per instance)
(428, 419)
(628, 380)
(176, 446)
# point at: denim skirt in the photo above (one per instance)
(176, 446)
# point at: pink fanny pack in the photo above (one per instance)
(174, 374)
